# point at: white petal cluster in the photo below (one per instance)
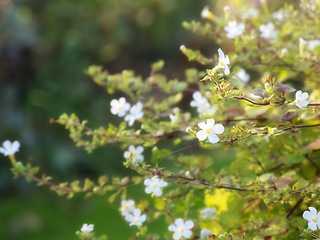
(119, 107)
(181, 229)
(208, 213)
(251, 13)
(210, 130)
(175, 116)
(280, 15)
(202, 104)
(135, 154)
(132, 214)
(135, 113)
(268, 31)
(242, 75)
(154, 186)
(205, 233)
(9, 148)
(223, 62)
(206, 13)
(234, 29)
(135, 218)
(86, 228)
(313, 218)
(301, 99)
(127, 206)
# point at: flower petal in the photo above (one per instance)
(218, 128)
(298, 94)
(187, 233)
(304, 96)
(172, 228)
(210, 122)
(213, 138)
(202, 135)
(189, 224)
(179, 222)
(177, 235)
(312, 225)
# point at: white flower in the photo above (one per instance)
(181, 229)
(301, 99)
(210, 130)
(154, 185)
(188, 174)
(243, 75)
(313, 217)
(205, 233)
(234, 29)
(283, 52)
(87, 228)
(9, 148)
(267, 31)
(226, 10)
(312, 44)
(208, 213)
(135, 113)
(134, 153)
(119, 107)
(127, 206)
(174, 118)
(205, 13)
(223, 61)
(199, 101)
(250, 13)
(135, 218)
(280, 15)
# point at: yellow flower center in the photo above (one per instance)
(180, 229)
(314, 219)
(120, 107)
(298, 100)
(126, 207)
(136, 220)
(208, 130)
(134, 154)
(222, 64)
(155, 185)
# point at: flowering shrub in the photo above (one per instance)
(251, 96)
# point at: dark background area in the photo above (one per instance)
(45, 46)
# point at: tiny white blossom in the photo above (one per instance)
(119, 107)
(234, 29)
(199, 101)
(135, 218)
(226, 10)
(251, 13)
(206, 13)
(154, 185)
(301, 99)
(302, 43)
(312, 44)
(280, 15)
(223, 61)
(135, 113)
(174, 117)
(86, 228)
(181, 229)
(267, 31)
(283, 52)
(313, 217)
(188, 174)
(208, 213)
(205, 233)
(243, 75)
(9, 148)
(127, 206)
(134, 153)
(210, 130)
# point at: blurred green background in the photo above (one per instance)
(44, 48)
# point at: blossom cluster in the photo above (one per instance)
(313, 218)
(123, 109)
(132, 214)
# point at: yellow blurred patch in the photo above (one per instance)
(218, 199)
